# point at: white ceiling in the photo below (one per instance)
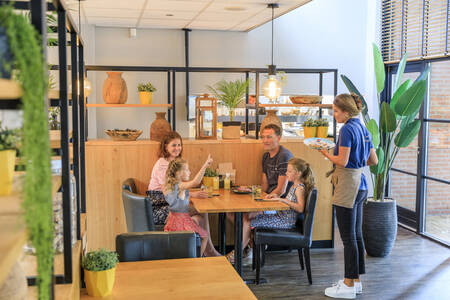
(233, 15)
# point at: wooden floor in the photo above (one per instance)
(438, 226)
(416, 269)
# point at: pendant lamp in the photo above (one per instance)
(272, 87)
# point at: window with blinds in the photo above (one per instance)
(417, 27)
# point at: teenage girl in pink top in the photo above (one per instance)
(171, 147)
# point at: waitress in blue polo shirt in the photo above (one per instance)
(353, 152)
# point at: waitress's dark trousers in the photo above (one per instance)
(349, 221)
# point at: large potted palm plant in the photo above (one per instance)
(395, 129)
(230, 94)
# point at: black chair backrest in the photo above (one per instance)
(156, 245)
(138, 209)
(310, 208)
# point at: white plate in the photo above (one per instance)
(319, 143)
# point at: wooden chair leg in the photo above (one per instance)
(300, 258)
(257, 253)
(308, 265)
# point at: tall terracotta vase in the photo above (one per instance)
(160, 127)
(115, 89)
(271, 118)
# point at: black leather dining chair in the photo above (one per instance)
(299, 238)
(138, 209)
(140, 246)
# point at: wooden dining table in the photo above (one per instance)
(227, 201)
(188, 278)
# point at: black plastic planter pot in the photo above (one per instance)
(5, 55)
(379, 226)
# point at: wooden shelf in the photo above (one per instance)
(12, 227)
(54, 94)
(127, 105)
(9, 89)
(19, 160)
(297, 105)
(62, 291)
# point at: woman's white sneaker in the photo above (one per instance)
(358, 287)
(341, 290)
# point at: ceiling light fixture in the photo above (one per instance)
(272, 87)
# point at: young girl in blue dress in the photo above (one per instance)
(176, 193)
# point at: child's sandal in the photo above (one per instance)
(230, 257)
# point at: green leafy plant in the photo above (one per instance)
(100, 260)
(9, 138)
(322, 122)
(53, 116)
(310, 122)
(146, 87)
(25, 45)
(209, 172)
(396, 127)
(230, 93)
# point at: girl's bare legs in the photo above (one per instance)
(246, 229)
(203, 245)
(203, 221)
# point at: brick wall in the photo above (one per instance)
(403, 187)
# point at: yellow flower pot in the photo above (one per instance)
(208, 181)
(7, 162)
(309, 132)
(322, 131)
(99, 283)
(146, 97)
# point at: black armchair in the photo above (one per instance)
(157, 245)
(298, 238)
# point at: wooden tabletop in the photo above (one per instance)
(232, 202)
(190, 278)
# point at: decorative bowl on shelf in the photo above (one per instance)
(124, 135)
(305, 99)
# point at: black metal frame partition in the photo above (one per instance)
(416, 219)
(39, 10)
(247, 71)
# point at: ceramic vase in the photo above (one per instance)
(271, 118)
(160, 127)
(115, 89)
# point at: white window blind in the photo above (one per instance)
(417, 27)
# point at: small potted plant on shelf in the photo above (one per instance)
(230, 94)
(208, 178)
(146, 92)
(8, 145)
(99, 272)
(309, 128)
(322, 128)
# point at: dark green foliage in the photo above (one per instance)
(100, 260)
(29, 65)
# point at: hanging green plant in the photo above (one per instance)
(29, 65)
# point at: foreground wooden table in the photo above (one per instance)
(228, 201)
(190, 278)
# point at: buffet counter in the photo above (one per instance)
(109, 163)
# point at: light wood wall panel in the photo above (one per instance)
(109, 163)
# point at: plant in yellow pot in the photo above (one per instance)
(309, 128)
(208, 178)
(146, 92)
(8, 145)
(322, 128)
(99, 272)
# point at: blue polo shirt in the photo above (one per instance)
(355, 136)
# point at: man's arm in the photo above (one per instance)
(281, 186)
(264, 183)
